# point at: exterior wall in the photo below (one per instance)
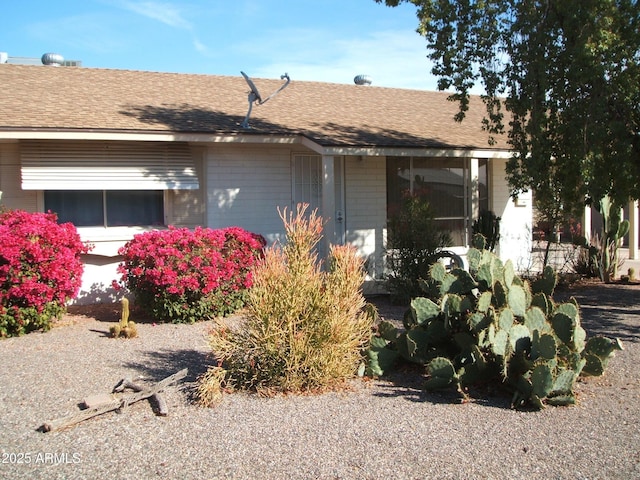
(516, 225)
(245, 187)
(12, 196)
(183, 208)
(188, 208)
(366, 211)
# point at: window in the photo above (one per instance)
(110, 208)
(445, 184)
(307, 181)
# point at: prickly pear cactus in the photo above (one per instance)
(490, 325)
(613, 231)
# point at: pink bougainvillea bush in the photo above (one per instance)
(40, 270)
(183, 275)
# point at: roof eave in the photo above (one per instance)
(17, 134)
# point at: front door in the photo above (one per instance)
(307, 187)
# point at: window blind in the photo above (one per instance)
(107, 166)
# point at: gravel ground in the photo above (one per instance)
(379, 429)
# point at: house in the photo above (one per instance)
(119, 152)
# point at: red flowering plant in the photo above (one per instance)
(183, 275)
(40, 270)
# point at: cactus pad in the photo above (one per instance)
(535, 319)
(517, 300)
(441, 367)
(425, 310)
(542, 380)
(546, 346)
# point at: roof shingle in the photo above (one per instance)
(66, 98)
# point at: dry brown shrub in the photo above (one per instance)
(306, 327)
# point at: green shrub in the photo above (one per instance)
(491, 326)
(413, 242)
(305, 328)
(487, 225)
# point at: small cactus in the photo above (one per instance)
(631, 272)
(126, 328)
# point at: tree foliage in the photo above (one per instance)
(562, 80)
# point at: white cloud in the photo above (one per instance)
(391, 58)
(163, 12)
(200, 47)
(167, 13)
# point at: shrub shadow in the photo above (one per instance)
(110, 312)
(408, 382)
(163, 363)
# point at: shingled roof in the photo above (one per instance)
(39, 98)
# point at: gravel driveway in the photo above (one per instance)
(379, 429)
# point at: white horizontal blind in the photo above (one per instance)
(107, 166)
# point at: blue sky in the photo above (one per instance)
(323, 40)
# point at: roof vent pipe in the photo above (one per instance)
(53, 59)
(362, 80)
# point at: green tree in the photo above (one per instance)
(562, 80)
(413, 244)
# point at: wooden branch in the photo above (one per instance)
(116, 405)
(157, 400)
(160, 403)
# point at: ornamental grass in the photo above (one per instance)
(305, 327)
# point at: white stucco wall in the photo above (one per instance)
(516, 225)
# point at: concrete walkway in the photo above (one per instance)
(624, 253)
(560, 257)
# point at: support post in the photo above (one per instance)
(633, 230)
(328, 201)
(586, 223)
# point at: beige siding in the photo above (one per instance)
(12, 195)
(187, 208)
(245, 186)
(366, 207)
(516, 224)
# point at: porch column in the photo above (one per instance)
(328, 201)
(474, 198)
(633, 230)
(586, 223)
(475, 189)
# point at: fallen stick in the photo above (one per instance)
(115, 405)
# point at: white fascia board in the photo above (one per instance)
(204, 138)
(11, 136)
(417, 152)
